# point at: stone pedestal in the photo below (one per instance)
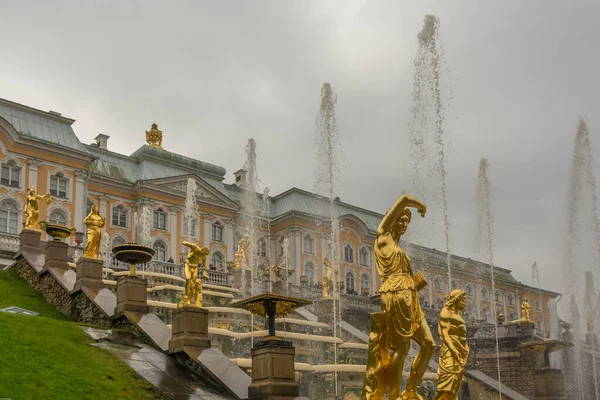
(548, 384)
(325, 309)
(526, 328)
(273, 374)
(189, 328)
(30, 240)
(57, 255)
(132, 295)
(89, 273)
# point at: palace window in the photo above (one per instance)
(88, 206)
(469, 290)
(363, 256)
(437, 285)
(217, 232)
(348, 253)
(11, 174)
(58, 217)
(364, 284)
(161, 251)
(9, 217)
(58, 185)
(349, 282)
(160, 219)
(186, 223)
(510, 300)
(261, 248)
(538, 306)
(217, 260)
(309, 271)
(309, 244)
(497, 297)
(119, 216)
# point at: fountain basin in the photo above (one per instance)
(132, 253)
(58, 232)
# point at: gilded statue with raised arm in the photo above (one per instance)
(193, 284)
(327, 279)
(401, 318)
(454, 350)
(241, 254)
(94, 223)
(31, 209)
(525, 310)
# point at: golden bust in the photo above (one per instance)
(454, 350)
(94, 223)
(31, 209)
(154, 137)
(193, 285)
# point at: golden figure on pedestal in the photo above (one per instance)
(327, 279)
(241, 254)
(154, 137)
(193, 284)
(31, 210)
(454, 350)
(525, 310)
(94, 223)
(277, 270)
(401, 318)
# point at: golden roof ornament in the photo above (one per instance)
(154, 137)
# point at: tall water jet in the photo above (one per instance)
(266, 217)
(577, 385)
(589, 297)
(428, 115)
(105, 251)
(484, 206)
(329, 161)
(190, 207)
(535, 278)
(145, 224)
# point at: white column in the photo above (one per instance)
(173, 231)
(230, 240)
(103, 207)
(80, 200)
(32, 179)
(207, 230)
(297, 256)
(374, 276)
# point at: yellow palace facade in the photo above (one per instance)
(41, 149)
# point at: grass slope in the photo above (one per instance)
(49, 357)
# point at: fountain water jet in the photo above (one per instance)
(190, 207)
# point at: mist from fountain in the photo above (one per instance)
(428, 115)
(329, 161)
(485, 217)
(266, 218)
(578, 384)
(190, 207)
(589, 297)
(145, 224)
(535, 279)
(105, 251)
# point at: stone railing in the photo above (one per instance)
(354, 302)
(9, 243)
(220, 278)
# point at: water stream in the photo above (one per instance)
(190, 208)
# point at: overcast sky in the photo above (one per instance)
(213, 74)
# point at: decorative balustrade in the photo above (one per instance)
(9, 243)
(220, 278)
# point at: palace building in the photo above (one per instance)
(40, 148)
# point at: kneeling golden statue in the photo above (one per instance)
(193, 285)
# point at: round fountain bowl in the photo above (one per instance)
(132, 253)
(58, 232)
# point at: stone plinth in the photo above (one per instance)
(548, 384)
(325, 310)
(30, 240)
(57, 255)
(189, 328)
(132, 295)
(89, 273)
(273, 372)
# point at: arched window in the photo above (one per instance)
(88, 206)
(11, 174)
(538, 306)
(348, 253)
(58, 185)
(309, 244)
(217, 260)
(469, 290)
(119, 216)
(58, 217)
(437, 284)
(510, 300)
(118, 241)
(9, 217)
(160, 219)
(363, 256)
(364, 284)
(261, 247)
(484, 294)
(161, 251)
(217, 232)
(309, 271)
(349, 282)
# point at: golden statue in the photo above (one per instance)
(327, 279)
(277, 270)
(401, 318)
(454, 350)
(31, 210)
(525, 310)
(94, 223)
(154, 137)
(242, 252)
(193, 285)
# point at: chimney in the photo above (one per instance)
(240, 178)
(102, 141)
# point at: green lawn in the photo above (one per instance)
(48, 357)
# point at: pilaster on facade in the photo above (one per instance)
(33, 165)
(103, 207)
(173, 218)
(80, 196)
(297, 256)
(229, 240)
